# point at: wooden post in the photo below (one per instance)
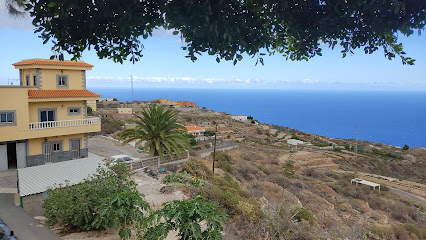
(214, 149)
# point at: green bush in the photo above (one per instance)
(183, 178)
(406, 147)
(185, 217)
(337, 149)
(224, 161)
(196, 168)
(305, 214)
(108, 199)
(321, 144)
(111, 125)
(288, 169)
(264, 169)
(386, 154)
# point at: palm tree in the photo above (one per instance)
(160, 130)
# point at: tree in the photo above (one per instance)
(89, 111)
(227, 29)
(406, 147)
(108, 199)
(158, 130)
(185, 217)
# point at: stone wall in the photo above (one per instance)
(36, 160)
(33, 204)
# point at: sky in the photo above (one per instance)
(164, 66)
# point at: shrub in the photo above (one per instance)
(264, 169)
(224, 161)
(288, 169)
(111, 125)
(196, 168)
(185, 217)
(337, 149)
(108, 199)
(183, 178)
(305, 214)
(406, 147)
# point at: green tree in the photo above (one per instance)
(227, 29)
(406, 147)
(158, 130)
(191, 139)
(185, 217)
(89, 110)
(108, 199)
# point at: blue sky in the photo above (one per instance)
(164, 65)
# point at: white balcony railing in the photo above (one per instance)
(65, 123)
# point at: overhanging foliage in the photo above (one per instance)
(227, 29)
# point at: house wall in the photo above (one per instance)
(15, 99)
(92, 104)
(76, 78)
(125, 110)
(35, 145)
(61, 110)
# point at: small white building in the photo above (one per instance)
(125, 110)
(294, 142)
(241, 118)
(195, 131)
(106, 100)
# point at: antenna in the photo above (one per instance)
(131, 80)
(10, 80)
(356, 138)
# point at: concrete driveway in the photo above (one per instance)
(23, 225)
(107, 147)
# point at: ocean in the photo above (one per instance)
(394, 118)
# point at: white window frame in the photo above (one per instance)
(74, 111)
(62, 81)
(8, 112)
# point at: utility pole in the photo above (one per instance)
(356, 138)
(214, 149)
(131, 80)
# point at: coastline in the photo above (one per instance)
(381, 116)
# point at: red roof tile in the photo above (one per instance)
(61, 93)
(194, 128)
(48, 62)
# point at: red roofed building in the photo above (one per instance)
(44, 118)
(187, 103)
(194, 130)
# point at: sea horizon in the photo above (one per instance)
(390, 117)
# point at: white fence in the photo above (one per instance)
(65, 123)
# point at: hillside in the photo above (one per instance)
(273, 190)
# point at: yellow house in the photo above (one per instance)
(92, 104)
(44, 119)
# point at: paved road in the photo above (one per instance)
(24, 226)
(406, 194)
(107, 147)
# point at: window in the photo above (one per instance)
(56, 146)
(62, 81)
(7, 118)
(47, 115)
(27, 80)
(35, 80)
(74, 111)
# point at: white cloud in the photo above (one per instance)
(309, 81)
(162, 33)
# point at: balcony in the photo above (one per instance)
(65, 123)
